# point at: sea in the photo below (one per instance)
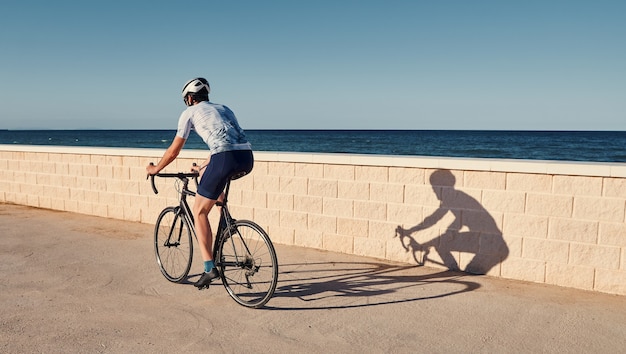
(597, 146)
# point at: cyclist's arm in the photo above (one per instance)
(168, 156)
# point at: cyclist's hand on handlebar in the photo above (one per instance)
(151, 169)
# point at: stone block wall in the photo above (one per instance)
(561, 223)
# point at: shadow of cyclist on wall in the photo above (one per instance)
(473, 231)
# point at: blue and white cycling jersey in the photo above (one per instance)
(216, 124)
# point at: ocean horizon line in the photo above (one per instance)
(339, 130)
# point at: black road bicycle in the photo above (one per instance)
(242, 250)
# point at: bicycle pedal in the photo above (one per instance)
(203, 287)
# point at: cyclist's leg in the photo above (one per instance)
(201, 208)
(209, 191)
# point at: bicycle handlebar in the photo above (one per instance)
(180, 175)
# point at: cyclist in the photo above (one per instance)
(230, 153)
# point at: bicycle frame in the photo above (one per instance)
(225, 219)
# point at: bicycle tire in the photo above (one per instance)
(173, 246)
(247, 263)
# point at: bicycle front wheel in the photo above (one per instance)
(248, 265)
(173, 244)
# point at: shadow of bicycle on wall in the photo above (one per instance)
(469, 243)
(342, 285)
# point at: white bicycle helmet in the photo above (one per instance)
(195, 85)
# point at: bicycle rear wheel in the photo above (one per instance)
(248, 265)
(173, 244)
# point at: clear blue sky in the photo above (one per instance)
(554, 65)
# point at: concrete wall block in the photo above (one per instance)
(407, 175)
(293, 185)
(85, 207)
(57, 203)
(444, 177)
(292, 219)
(130, 187)
(308, 204)
(484, 180)
(77, 194)
(504, 201)
(105, 171)
(421, 195)
(122, 172)
(326, 224)
(460, 199)
(137, 173)
(308, 238)
(32, 200)
(310, 170)
(612, 234)
(61, 168)
(281, 235)
(353, 190)
(482, 221)
(549, 205)
(239, 212)
(525, 225)
(371, 173)
(386, 192)
(597, 208)
(610, 281)
(132, 213)
(577, 185)
(524, 269)
(260, 168)
(370, 210)
(573, 230)
(339, 172)
(101, 210)
(280, 201)
(404, 214)
(42, 179)
(338, 243)
(527, 182)
(112, 160)
(614, 187)
(281, 168)
(13, 165)
(570, 276)
(97, 160)
(546, 250)
(370, 247)
(266, 183)
(71, 206)
(383, 230)
(597, 256)
(115, 186)
(338, 207)
(90, 170)
(82, 183)
(515, 245)
(353, 227)
(267, 216)
(44, 202)
(62, 193)
(395, 252)
(255, 199)
(322, 188)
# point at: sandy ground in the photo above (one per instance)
(71, 283)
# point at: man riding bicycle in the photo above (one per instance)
(230, 153)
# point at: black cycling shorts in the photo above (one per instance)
(221, 168)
